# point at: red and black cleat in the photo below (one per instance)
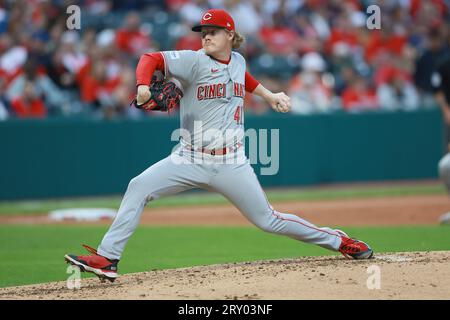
(353, 248)
(102, 267)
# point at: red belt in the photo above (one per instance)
(217, 152)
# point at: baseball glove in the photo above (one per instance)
(164, 97)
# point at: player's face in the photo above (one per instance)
(215, 40)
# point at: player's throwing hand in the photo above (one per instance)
(280, 102)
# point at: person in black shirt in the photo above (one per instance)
(441, 83)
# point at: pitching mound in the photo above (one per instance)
(413, 275)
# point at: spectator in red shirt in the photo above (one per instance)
(428, 13)
(385, 73)
(342, 32)
(131, 39)
(384, 41)
(279, 39)
(359, 96)
(29, 105)
(189, 41)
(96, 86)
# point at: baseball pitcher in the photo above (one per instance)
(210, 91)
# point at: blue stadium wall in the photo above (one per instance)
(69, 157)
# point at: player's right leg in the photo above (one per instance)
(240, 185)
(164, 178)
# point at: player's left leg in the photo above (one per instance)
(239, 184)
(164, 178)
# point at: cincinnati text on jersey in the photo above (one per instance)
(219, 90)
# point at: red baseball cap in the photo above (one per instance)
(215, 18)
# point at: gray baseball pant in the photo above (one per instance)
(236, 181)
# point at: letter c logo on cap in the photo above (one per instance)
(207, 16)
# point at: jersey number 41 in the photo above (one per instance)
(238, 115)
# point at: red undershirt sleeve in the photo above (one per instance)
(147, 65)
(250, 82)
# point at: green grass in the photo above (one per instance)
(34, 254)
(197, 198)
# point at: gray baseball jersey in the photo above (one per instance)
(213, 97)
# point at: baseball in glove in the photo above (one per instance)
(164, 96)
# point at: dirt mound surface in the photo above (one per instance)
(413, 275)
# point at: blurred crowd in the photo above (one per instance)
(320, 52)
